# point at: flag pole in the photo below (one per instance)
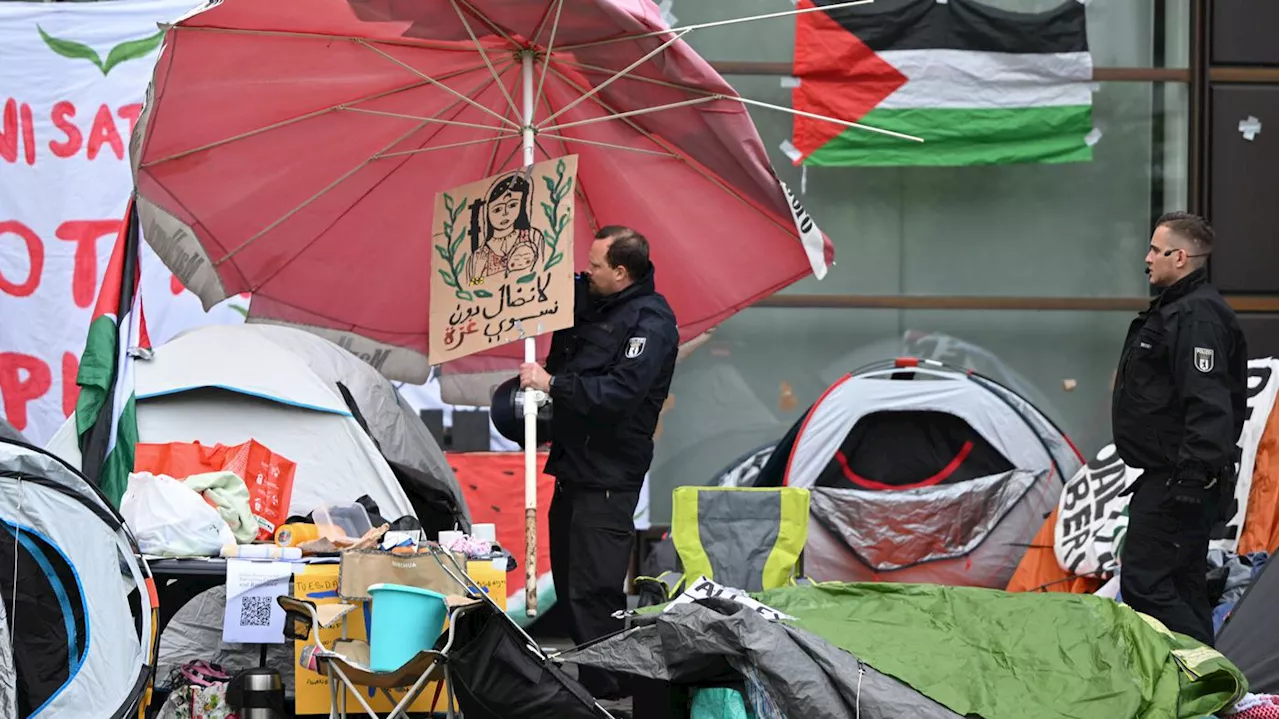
(530, 398)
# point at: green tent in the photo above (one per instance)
(1000, 655)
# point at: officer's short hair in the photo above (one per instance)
(1192, 228)
(629, 249)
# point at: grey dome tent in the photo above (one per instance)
(918, 472)
(76, 617)
(7, 431)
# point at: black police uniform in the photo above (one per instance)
(1176, 413)
(611, 373)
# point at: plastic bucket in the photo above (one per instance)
(406, 620)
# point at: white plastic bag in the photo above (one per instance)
(170, 519)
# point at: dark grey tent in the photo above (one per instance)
(783, 670)
(1249, 636)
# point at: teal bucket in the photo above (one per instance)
(406, 620)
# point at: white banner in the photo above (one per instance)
(74, 78)
(1093, 516)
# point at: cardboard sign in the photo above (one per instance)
(502, 259)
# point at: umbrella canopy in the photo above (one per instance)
(293, 149)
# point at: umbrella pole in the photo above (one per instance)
(530, 400)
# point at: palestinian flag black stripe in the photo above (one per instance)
(979, 85)
(962, 25)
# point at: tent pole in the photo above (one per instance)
(530, 355)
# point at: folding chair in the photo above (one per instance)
(347, 660)
(750, 538)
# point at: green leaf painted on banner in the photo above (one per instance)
(71, 49)
(132, 50)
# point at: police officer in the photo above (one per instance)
(1176, 413)
(608, 377)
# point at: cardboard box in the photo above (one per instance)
(319, 583)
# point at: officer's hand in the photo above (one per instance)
(532, 375)
(1189, 493)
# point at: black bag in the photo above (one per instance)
(496, 675)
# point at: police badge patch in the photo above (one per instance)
(635, 346)
(1204, 359)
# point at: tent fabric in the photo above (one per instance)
(1248, 637)
(230, 383)
(999, 655)
(896, 530)
(1261, 532)
(835, 414)
(981, 437)
(748, 538)
(402, 438)
(8, 432)
(1039, 571)
(78, 622)
(804, 674)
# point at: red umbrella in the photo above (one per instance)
(292, 149)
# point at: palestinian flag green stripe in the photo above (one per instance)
(959, 137)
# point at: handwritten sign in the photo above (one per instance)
(502, 265)
(703, 588)
(1093, 514)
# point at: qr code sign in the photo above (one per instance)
(255, 612)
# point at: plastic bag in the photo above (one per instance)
(268, 475)
(169, 519)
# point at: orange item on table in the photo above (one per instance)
(268, 476)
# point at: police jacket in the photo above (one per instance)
(1179, 399)
(610, 375)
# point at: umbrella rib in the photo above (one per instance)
(423, 44)
(694, 166)
(433, 148)
(596, 90)
(483, 55)
(437, 83)
(497, 142)
(638, 78)
(300, 118)
(436, 121)
(566, 139)
(824, 118)
(579, 190)
(546, 59)
(325, 189)
(642, 111)
(718, 23)
(492, 26)
(542, 22)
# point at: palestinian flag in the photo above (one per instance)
(106, 420)
(980, 86)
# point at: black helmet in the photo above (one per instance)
(506, 409)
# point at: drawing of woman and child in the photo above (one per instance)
(503, 240)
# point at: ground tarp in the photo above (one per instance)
(999, 655)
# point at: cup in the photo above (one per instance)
(487, 532)
(448, 537)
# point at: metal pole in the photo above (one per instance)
(530, 400)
